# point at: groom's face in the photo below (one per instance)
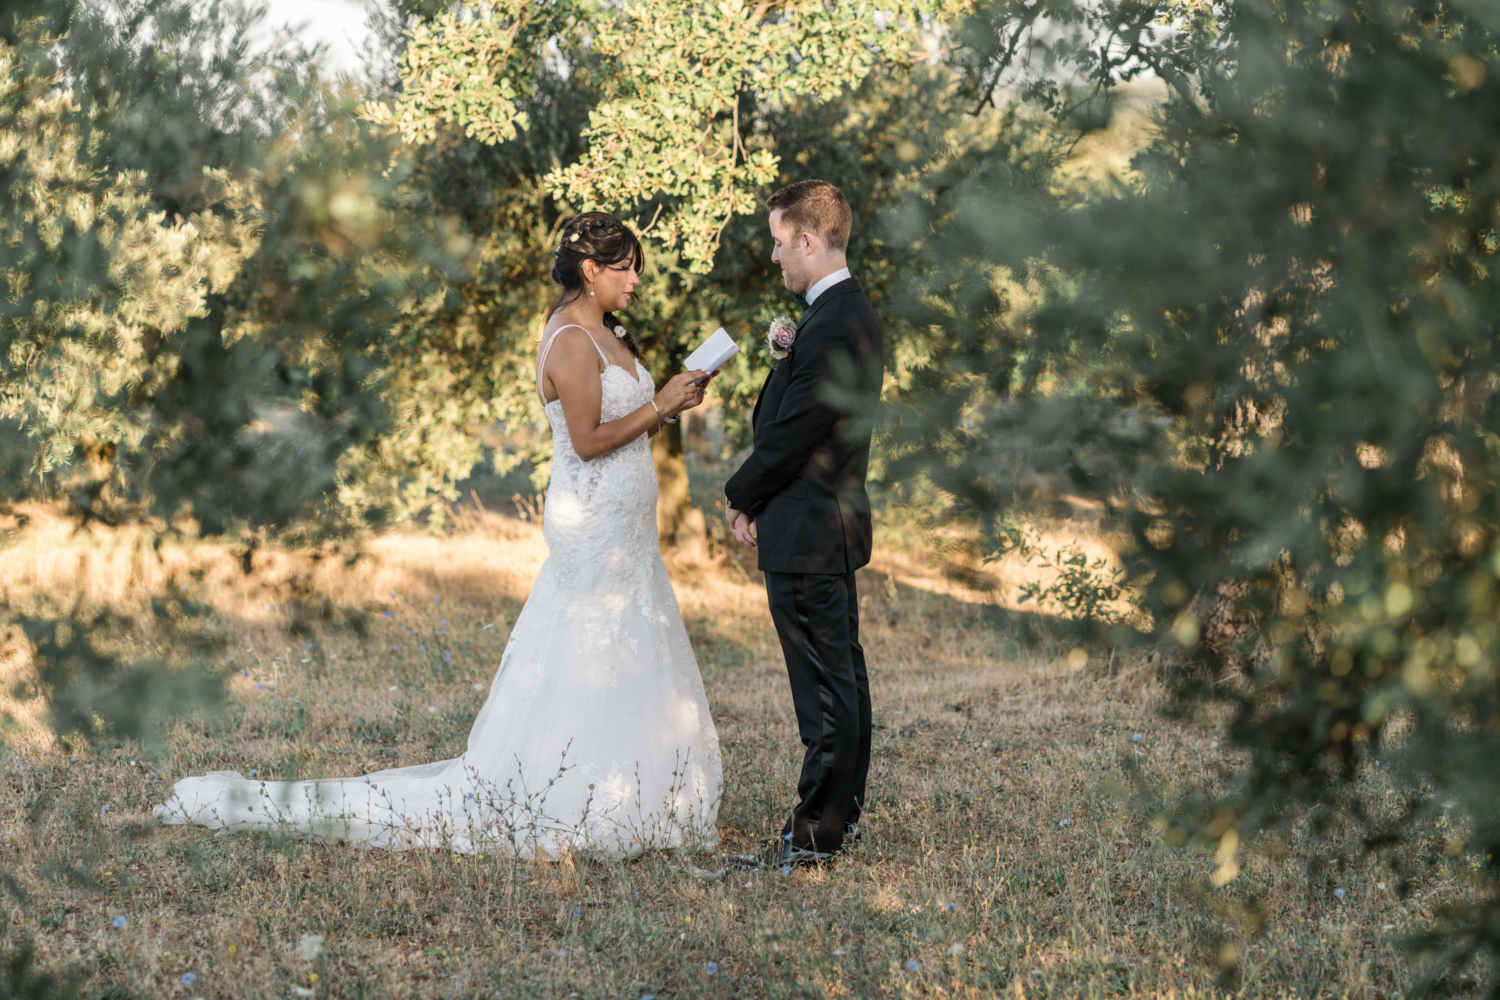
(789, 250)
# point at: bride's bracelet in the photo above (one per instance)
(665, 420)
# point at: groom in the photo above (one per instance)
(800, 498)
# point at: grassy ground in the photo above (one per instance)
(1001, 854)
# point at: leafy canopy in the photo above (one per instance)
(665, 139)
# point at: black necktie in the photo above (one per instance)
(801, 302)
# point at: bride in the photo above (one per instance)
(596, 733)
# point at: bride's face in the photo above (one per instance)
(613, 284)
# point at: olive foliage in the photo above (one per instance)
(1272, 353)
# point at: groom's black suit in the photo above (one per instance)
(804, 484)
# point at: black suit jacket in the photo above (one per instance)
(804, 484)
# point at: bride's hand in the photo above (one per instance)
(680, 393)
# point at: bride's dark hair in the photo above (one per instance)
(603, 239)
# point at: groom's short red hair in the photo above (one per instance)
(815, 207)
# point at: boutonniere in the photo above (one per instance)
(780, 338)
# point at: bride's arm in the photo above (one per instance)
(572, 370)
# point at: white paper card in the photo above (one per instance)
(712, 353)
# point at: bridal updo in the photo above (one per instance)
(603, 239)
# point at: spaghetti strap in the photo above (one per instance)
(541, 355)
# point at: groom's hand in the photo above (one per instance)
(741, 523)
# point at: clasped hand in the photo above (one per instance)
(742, 525)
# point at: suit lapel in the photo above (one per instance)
(837, 291)
(850, 284)
(755, 413)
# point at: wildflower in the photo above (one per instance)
(712, 968)
(560, 953)
(955, 949)
(390, 614)
(260, 685)
(309, 946)
(913, 965)
(120, 922)
(104, 809)
(1062, 823)
(447, 656)
(254, 772)
(188, 978)
(950, 906)
(576, 913)
(244, 673)
(444, 623)
(786, 869)
(1339, 893)
(478, 686)
(1136, 738)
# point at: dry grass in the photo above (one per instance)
(1001, 854)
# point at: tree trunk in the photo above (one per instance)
(679, 525)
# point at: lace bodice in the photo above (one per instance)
(604, 507)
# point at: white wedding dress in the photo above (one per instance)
(596, 734)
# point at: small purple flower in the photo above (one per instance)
(254, 772)
(913, 965)
(260, 685)
(712, 968)
(447, 656)
(120, 922)
(1339, 893)
(189, 978)
(1136, 738)
(103, 810)
(779, 338)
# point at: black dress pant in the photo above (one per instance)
(817, 619)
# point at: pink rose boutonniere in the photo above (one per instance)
(780, 338)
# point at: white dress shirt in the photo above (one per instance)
(825, 283)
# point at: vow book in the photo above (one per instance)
(712, 353)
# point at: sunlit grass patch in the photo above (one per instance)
(1009, 846)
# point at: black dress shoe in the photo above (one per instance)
(799, 857)
(746, 862)
(778, 854)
